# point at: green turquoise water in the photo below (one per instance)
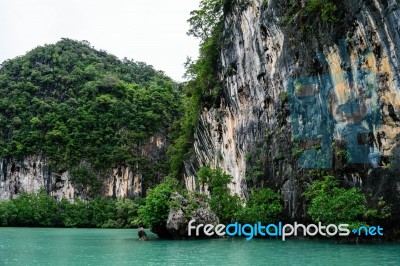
(27, 246)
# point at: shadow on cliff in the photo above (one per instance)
(385, 183)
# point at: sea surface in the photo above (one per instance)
(33, 246)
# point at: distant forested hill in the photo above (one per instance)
(71, 102)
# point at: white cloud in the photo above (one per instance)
(152, 31)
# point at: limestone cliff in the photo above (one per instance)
(34, 172)
(297, 88)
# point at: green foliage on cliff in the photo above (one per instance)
(313, 12)
(263, 205)
(221, 202)
(41, 210)
(325, 8)
(73, 103)
(155, 211)
(331, 204)
(84, 178)
(204, 20)
(203, 87)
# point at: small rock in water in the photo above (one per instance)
(142, 234)
(177, 223)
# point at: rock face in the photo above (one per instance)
(142, 234)
(33, 172)
(297, 89)
(185, 210)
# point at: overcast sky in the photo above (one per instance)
(152, 31)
